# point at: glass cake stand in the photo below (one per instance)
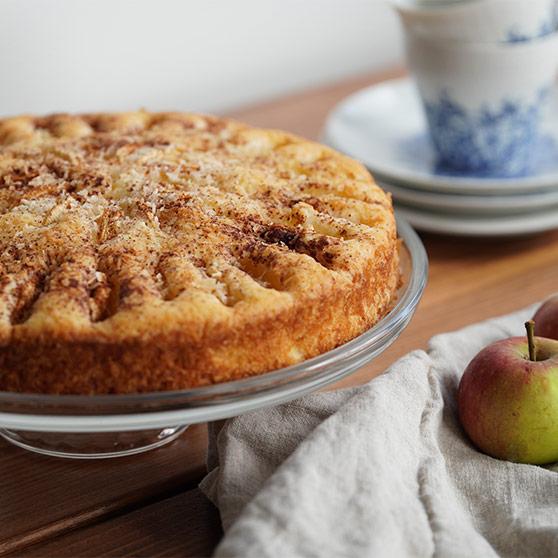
(102, 426)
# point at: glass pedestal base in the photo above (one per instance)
(92, 445)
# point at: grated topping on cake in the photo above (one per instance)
(148, 251)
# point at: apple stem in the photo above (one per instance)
(530, 327)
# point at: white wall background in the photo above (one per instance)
(208, 55)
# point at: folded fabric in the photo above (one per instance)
(380, 470)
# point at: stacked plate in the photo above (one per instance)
(384, 127)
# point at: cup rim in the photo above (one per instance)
(412, 8)
(536, 43)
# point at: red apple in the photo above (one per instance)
(546, 318)
(508, 399)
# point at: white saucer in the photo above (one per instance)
(384, 127)
(479, 205)
(480, 226)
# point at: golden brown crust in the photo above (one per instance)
(144, 252)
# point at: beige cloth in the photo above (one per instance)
(380, 470)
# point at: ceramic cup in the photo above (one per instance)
(479, 20)
(483, 101)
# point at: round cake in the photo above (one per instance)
(146, 252)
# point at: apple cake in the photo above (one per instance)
(161, 251)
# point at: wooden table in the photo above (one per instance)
(149, 505)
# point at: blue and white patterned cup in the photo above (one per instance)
(479, 20)
(483, 101)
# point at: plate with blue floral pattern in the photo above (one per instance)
(384, 127)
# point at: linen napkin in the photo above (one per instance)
(380, 470)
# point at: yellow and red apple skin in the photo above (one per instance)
(546, 319)
(508, 405)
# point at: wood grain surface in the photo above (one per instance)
(44, 496)
(184, 525)
(149, 505)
